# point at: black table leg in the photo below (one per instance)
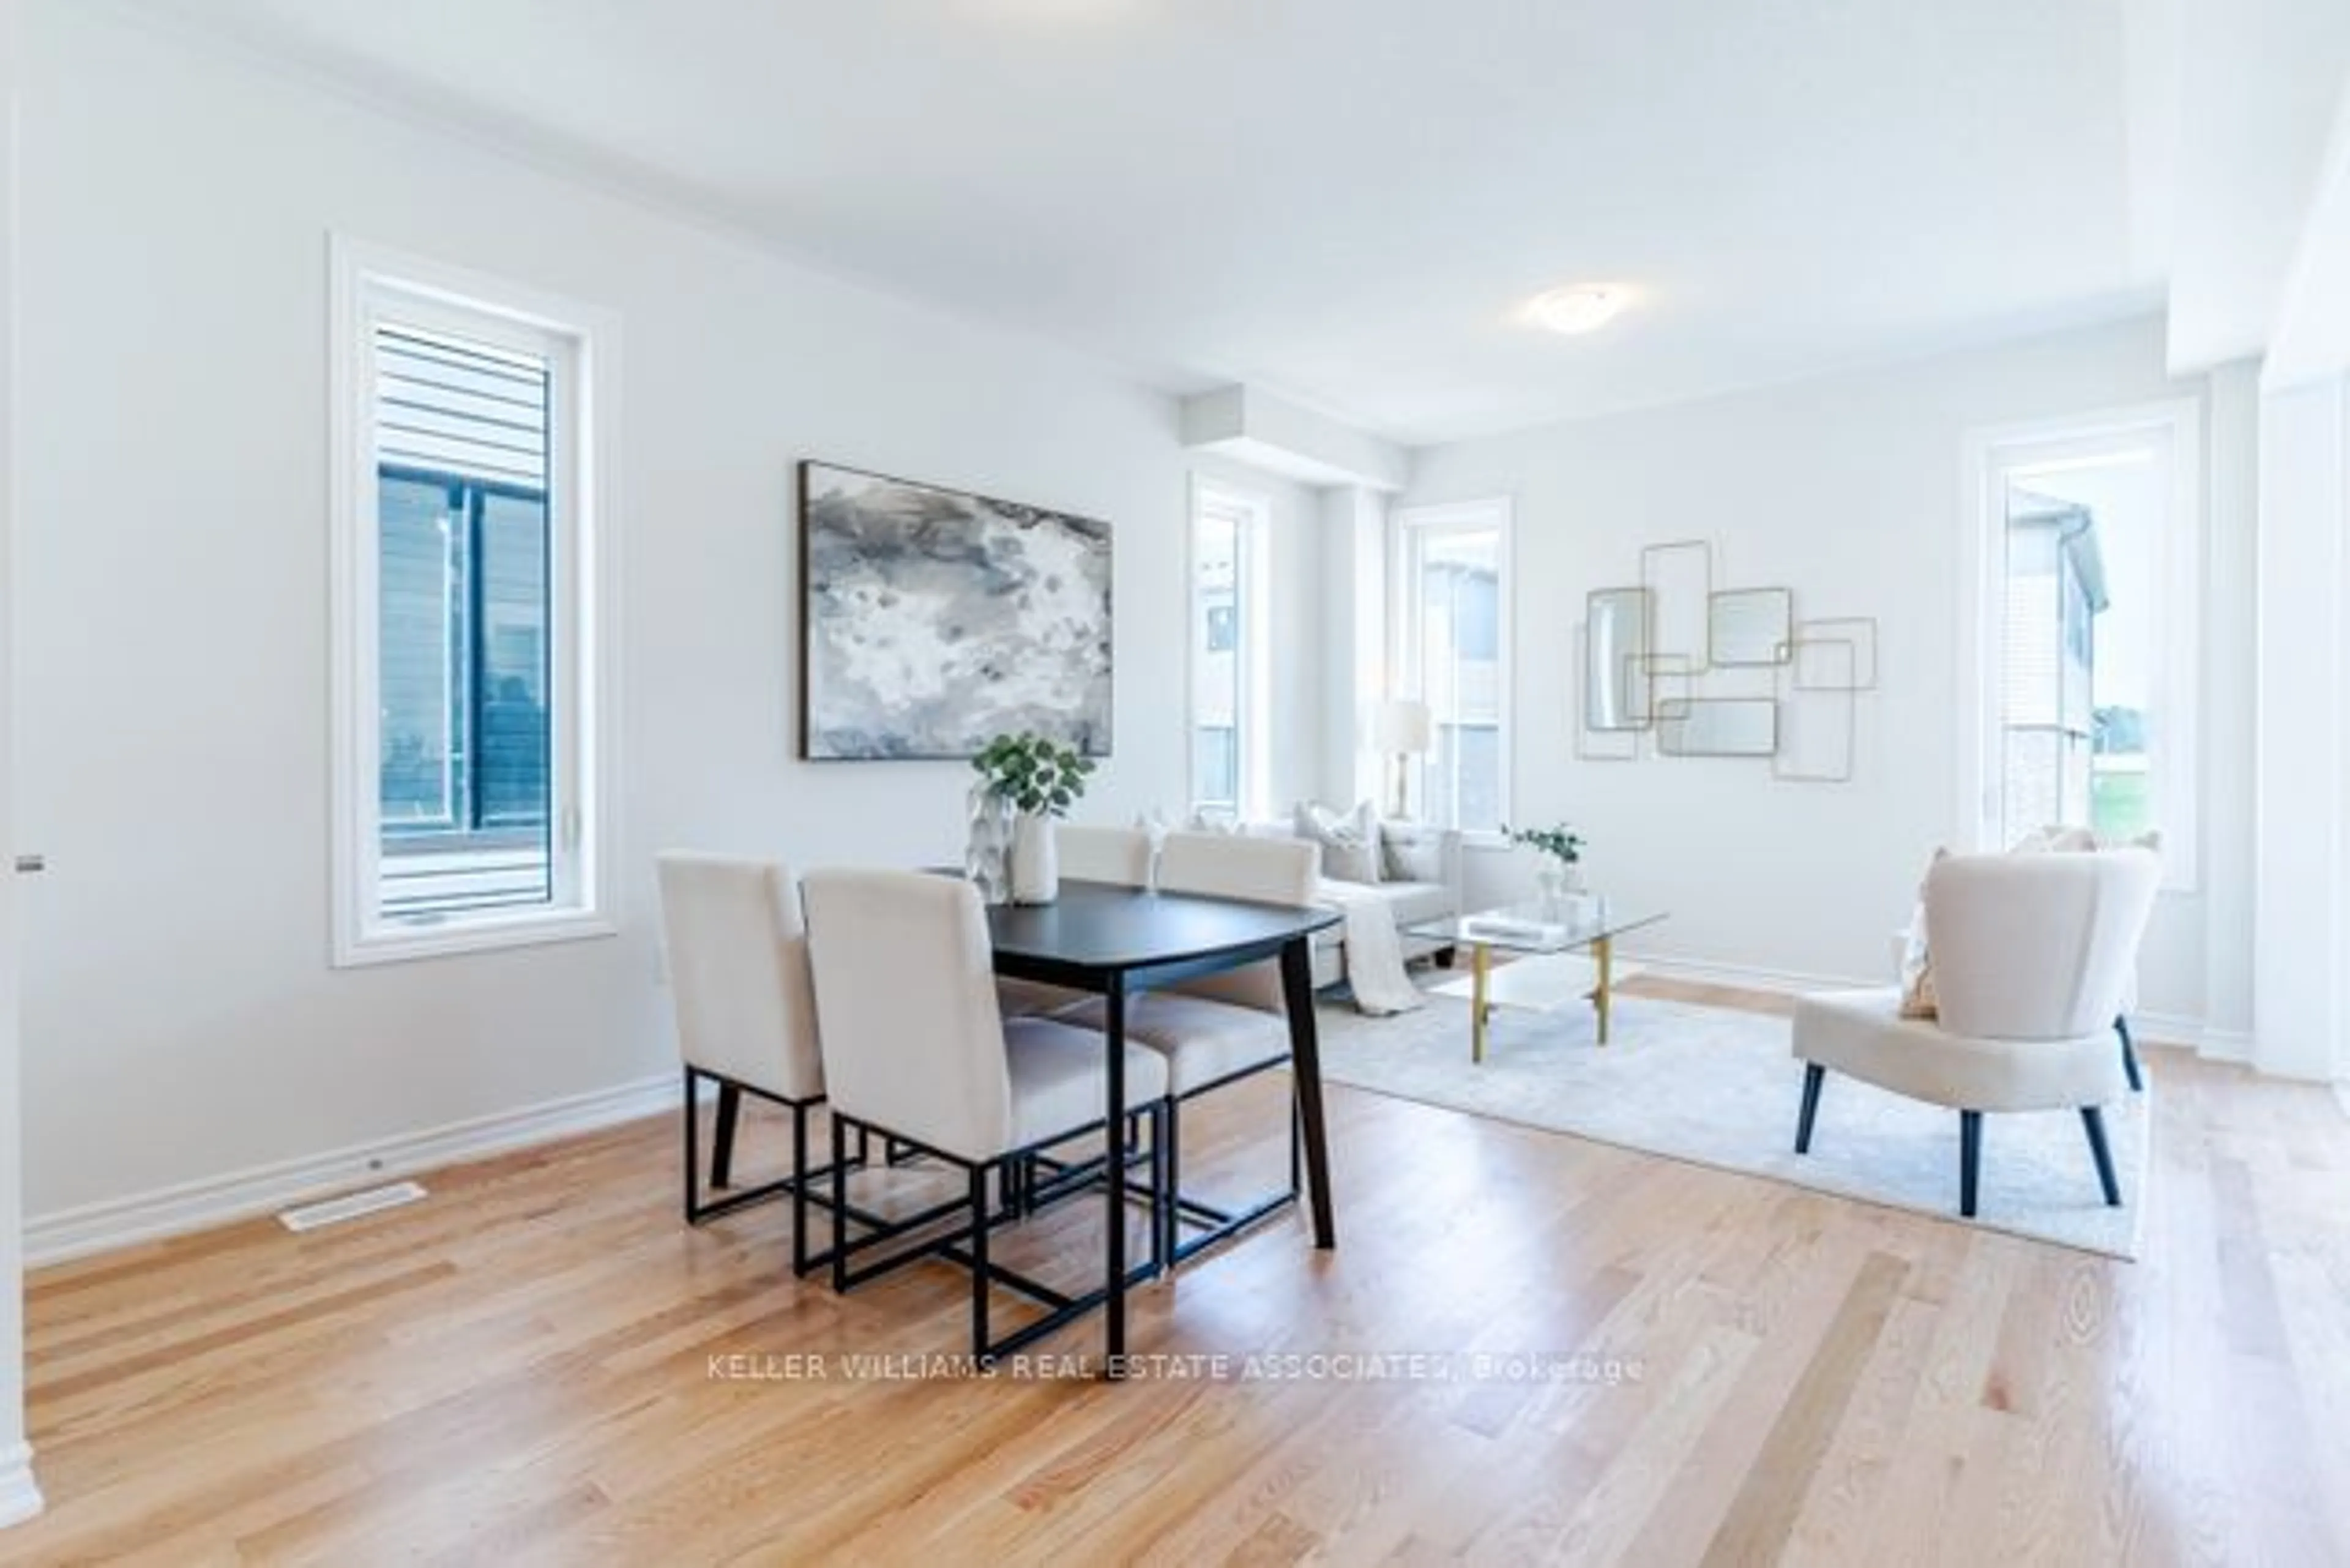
(1305, 1065)
(1114, 1171)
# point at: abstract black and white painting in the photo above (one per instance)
(933, 621)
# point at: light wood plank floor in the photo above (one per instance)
(532, 1367)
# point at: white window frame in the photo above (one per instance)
(2175, 756)
(582, 343)
(1253, 697)
(1491, 514)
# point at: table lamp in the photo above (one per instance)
(1400, 729)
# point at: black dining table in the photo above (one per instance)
(1117, 941)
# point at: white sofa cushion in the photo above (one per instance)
(1349, 841)
(1862, 1033)
(1410, 853)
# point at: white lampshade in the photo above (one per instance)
(1401, 727)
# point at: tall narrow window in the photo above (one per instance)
(1453, 620)
(2090, 538)
(1227, 708)
(465, 635)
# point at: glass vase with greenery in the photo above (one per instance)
(1562, 849)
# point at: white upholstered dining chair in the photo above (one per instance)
(1220, 1028)
(2032, 956)
(916, 1049)
(1121, 856)
(1118, 855)
(738, 971)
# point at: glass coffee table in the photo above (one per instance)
(1552, 936)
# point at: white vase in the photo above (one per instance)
(1035, 859)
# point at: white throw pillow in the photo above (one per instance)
(1410, 854)
(1349, 841)
(1917, 998)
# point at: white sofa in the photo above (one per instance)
(1421, 879)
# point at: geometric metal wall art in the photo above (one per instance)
(1717, 727)
(1678, 578)
(1677, 659)
(1856, 632)
(1819, 703)
(1593, 743)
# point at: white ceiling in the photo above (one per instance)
(1345, 201)
(2245, 95)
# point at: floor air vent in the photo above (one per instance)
(351, 1206)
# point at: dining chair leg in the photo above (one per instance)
(799, 1190)
(1162, 1197)
(1969, 1160)
(693, 1154)
(1170, 1180)
(2093, 1120)
(2129, 1055)
(839, 1196)
(1113, 1215)
(1814, 1075)
(979, 1280)
(721, 1143)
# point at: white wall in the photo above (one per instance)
(1293, 549)
(19, 1498)
(181, 1018)
(1354, 643)
(1849, 490)
(2301, 1007)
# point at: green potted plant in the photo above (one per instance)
(1561, 848)
(1037, 779)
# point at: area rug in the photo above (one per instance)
(1718, 1087)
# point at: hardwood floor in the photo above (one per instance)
(543, 1364)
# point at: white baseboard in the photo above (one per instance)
(2174, 1029)
(1741, 977)
(2226, 1046)
(2342, 1093)
(215, 1200)
(19, 1498)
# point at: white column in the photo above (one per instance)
(19, 1498)
(2230, 736)
(2300, 791)
(1354, 632)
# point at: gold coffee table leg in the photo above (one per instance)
(1603, 953)
(1481, 965)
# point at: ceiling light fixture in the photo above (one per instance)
(1582, 308)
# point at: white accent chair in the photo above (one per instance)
(1220, 1028)
(2033, 956)
(1115, 854)
(738, 972)
(916, 1049)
